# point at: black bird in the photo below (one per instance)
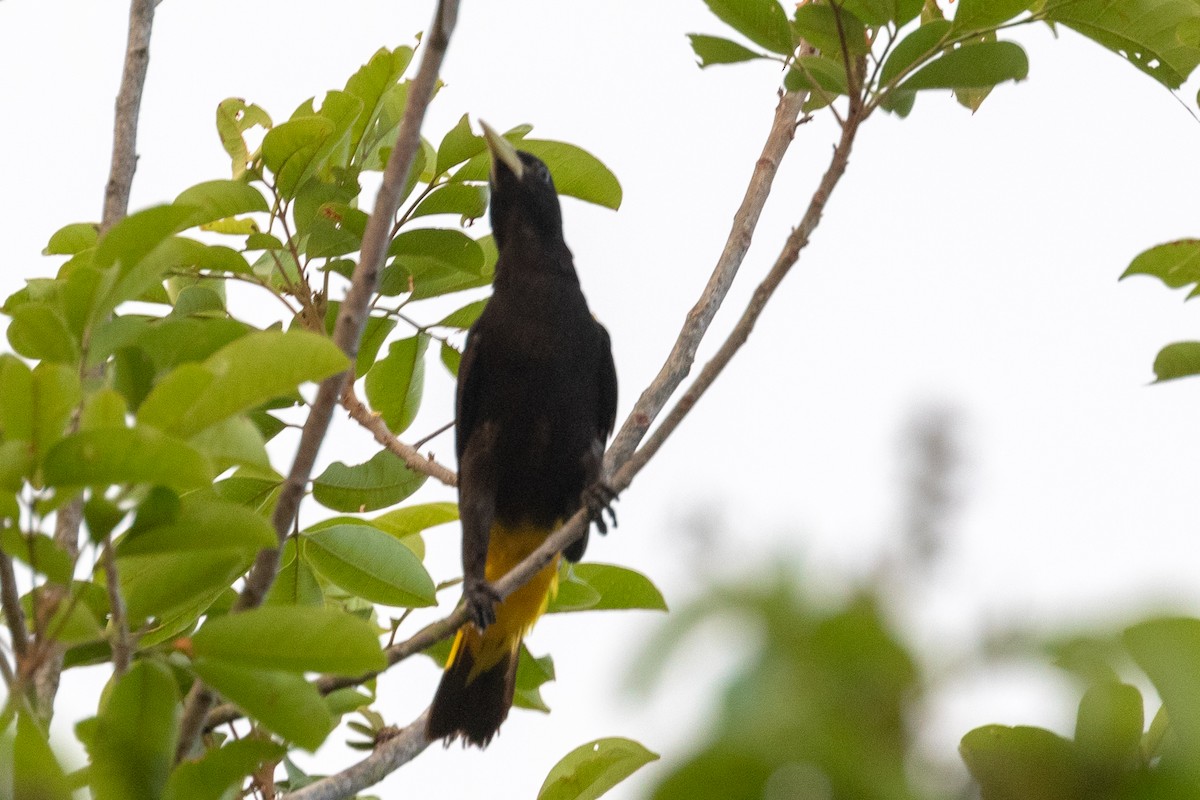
(537, 399)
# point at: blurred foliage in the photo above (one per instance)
(816, 709)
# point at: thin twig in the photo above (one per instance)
(409, 454)
(122, 645)
(417, 445)
(683, 354)
(790, 253)
(352, 317)
(14, 615)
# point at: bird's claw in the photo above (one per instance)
(598, 499)
(481, 599)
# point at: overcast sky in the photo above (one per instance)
(967, 262)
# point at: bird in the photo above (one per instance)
(536, 401)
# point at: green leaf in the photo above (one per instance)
(133, 745)
(973, 65)
(370, 564)
(16, 399)
(203, 523)
(914, 48)
(875, 13)
(221, 770)
(1177, 360)
(296, 584)
(158, 585)
(232, 442)
(40, 331)
(817, 24)
(374, 335)
(1168, 650)
(36, 772)
(1021, 763)
(415, 518)
(761, 21)
(218, 200)
(616, 588)
(577, 173)
(451, 358)
(464, 317)
(715, 50)
(816, 74)
(375, 84)
(1108, 730)
(396, 383)
(283, 702)
(292, 639)
(241, 375)
(459, 144)
(105, 456)
(105, 408)
(573, 594)
(1159, 37)
(135, 236)
(588, 771)
(289, 150)
(433, 261)
(466, 200)
(56, 394)
(72, 239)
(1176, 263)
(383, 481)
(532, 673)
(39, 552)
(984, 15)
(234, 117)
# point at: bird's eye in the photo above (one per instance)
(544, 174)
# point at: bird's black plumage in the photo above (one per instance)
(536, 401)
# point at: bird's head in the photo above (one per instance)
(524, 201)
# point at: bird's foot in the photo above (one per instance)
(481, 599)
(598, 499)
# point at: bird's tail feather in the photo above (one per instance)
(476, 691)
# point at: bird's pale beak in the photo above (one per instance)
(502, 151)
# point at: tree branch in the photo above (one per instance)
(122, 645)
(14, 615)
(796, 241)
(352, 317)
(683, 354)
(388, 756)
(411, 457)
(116, 206)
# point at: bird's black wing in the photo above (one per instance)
(470, 380)
(607, 385)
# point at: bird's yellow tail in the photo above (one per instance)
(476, 691)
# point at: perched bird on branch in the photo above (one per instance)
(537, 399)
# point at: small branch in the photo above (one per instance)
(683, 354)
(796, 241)
(122, 647)
(129, 103)
(410, 455)
(388, 756)
(352, 317)
(417, 445)
(14, 615)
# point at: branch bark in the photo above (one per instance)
(352, 317)
(683, 354)
(411, 457)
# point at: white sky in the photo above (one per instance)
(964, 261)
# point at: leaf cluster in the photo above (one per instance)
(138, 388)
